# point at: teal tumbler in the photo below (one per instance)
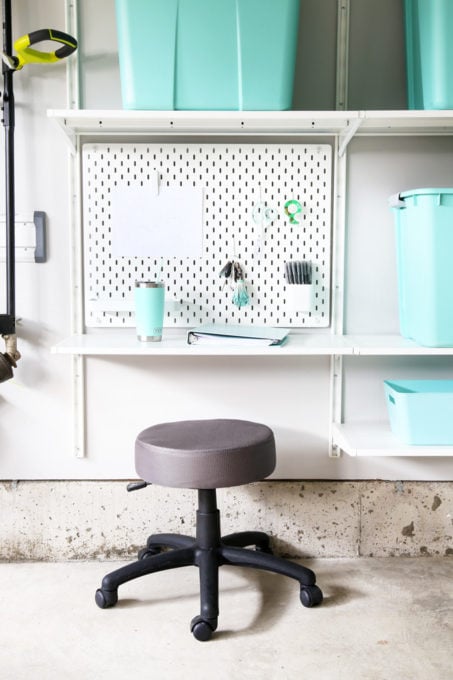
(149, 310)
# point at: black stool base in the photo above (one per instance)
(208, 551)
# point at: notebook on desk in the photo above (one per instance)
(235, 334)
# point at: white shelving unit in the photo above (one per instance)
(355, 439)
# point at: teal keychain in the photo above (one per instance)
(293, 208)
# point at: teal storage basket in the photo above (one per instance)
(207, 54)
(424, 249)
(421, 411)
(429, 53)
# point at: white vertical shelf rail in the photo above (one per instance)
(343, 14)
(339, 219)
(338, 258)
(73, 98)
(78, 361)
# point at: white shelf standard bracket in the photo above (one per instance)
(72, 77)
(343, 12)
(347, 134)
(77, 312)
(73, 64)
(73, 141)
(336, 379)
(338, 240)
(341, 94)
(338, 264)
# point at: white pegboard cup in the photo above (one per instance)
(300, 297)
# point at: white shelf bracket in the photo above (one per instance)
(69, 137)
(347, 134)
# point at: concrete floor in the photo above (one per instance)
(381, 619)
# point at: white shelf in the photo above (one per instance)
(116, 343)
(406, 122)
(392, 345)
(114, 123)
(121, 343)
(89, 122)
(376, 439)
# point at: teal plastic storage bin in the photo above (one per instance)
(424, 249)
(421, 411)
(429, 53)
(207, 54)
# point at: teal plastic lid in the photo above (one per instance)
(425, 192)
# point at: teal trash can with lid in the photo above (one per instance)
(424, 254)
(429, 53)
(207, 54)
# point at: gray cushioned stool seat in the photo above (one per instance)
(205, 454)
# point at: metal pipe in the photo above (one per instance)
(9, 123)
(8, 320)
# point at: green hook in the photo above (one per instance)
(292, 213)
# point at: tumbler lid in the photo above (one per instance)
(149, 284)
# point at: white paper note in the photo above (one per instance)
(167, 224)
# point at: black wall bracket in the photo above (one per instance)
(39, 219)
(30, 238)
(7, 324)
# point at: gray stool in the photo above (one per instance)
(206, 455)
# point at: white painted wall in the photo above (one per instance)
(35, 407)
(124, 395)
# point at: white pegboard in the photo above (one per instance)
(233, 178)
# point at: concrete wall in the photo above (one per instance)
(100, 520)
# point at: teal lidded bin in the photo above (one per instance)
(424, 253)
(207, 54)
(429, 53)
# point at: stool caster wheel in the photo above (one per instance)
(106, 598)
(310, 596)
(144, 553)
(201, 629)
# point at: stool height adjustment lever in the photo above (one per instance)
(135, 486)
